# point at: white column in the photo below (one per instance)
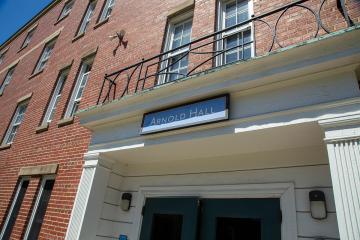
(342, 137)
(89, 198)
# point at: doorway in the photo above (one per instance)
(191, 218)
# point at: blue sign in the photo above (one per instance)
(123, 237)
(205, 111)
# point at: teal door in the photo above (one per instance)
(211, 219)
(240, 219)
(170, 219)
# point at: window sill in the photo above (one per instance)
(35, 74)
(22, 48)
(99, 24)
(77, 37)
(65, 121)
(42, 128)
(60, 19)
(5, 146)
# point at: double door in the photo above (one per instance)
(211, 219)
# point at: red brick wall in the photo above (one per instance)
(145, 24)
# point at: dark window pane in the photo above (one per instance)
(41, 209)
(166, 227)
(231, 57)
(173, 76)
(177, 67)
(178, 31)
(243, 16)
(182, 72)
(176, 43)
(231, 21)
(15, 210)
(187, 28)
(247, 52)
(238, 229)
(175, 63)
(247, 36)
(232, 41)
(230, 9)
(184, 62)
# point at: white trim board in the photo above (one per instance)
(284, 191)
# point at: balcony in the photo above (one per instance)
(257, 36)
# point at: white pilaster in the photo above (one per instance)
(89, 198)
(342, 137)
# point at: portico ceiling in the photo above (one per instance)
(272, 139)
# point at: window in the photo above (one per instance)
(38, 214)
(28, 38)
(15, 123)
(45, 55)
(14, 208)
(175, 64)
(7, 79)
(80, 84)
(2, 55)
(237, 42)
(107, 9)
(55, 96)
(67, 9)
(87, 17)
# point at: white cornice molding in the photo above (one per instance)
(343, 128)
(348, 120)
(95, 159)
(137, 141)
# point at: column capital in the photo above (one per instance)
(341, 128)
(95, 159)
(348, 120)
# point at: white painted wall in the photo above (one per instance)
(306, 168)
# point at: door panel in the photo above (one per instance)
(240, 219)
(170, 219)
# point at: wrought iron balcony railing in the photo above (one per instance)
(212, 50)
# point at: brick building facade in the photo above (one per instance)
(61, 143)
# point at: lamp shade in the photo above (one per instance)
(126, 201)
(317, 205)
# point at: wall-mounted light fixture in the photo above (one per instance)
(317, 205)
(126, 201)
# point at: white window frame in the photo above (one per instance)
(108, 5)
(221, 25)
(66, 9)
(22, 180)
(45, 56)
(182, 19)
(2, 54)
(14, 123)
(55, 96)
(38, 197)
(89, 13)
(81, 82)
(28, 37)
(7, 79)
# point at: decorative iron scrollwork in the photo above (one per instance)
(145, 74)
